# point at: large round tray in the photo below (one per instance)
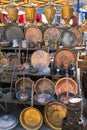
(8, 122)
(65, 55)
(40, 59)
(31, 118)
(61, 86)
(52, 34)
(33, 35)
(14, 32)
(54, 113)
(77, 37)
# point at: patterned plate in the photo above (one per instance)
(33, 35)
(52, 34)
(14, 32)
(77, 37)
(65, 56)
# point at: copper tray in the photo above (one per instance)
(40, 59)
(52, 34)
(31, 118)
(77, 37)
(14, 32)
(4, 61)
(54, 113)
(61, 86)
(63, 56)
(23, 82)
(33, 35)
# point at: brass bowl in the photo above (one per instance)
(31, 118)
(54, 113)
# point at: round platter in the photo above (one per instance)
(33, 35)
(40, 59)
(65, 55)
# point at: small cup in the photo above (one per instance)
(24, 44)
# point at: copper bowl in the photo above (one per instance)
(5, 44)
(64, 92)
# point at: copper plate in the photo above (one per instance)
(61, 86)
(22, 83)
(40, 59)
(77, 37)
(52, 34)
(4, 61)
(64, 55)
(14, 32)
(44, 86)
(33, 35)
(31, 118)
(54, 113)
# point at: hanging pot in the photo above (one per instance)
(45, 90)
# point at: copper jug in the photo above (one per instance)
(49, 11)
(30, 11)
(12, 11)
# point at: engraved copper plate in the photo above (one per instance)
(63, 56)
(14, 32)
(77, 37)
(44, 85)
(52, 34)
(61, 86)
(54, 114)
(33, 35)
(40, 59)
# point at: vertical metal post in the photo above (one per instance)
(78, 5)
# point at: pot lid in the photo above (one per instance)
(12, 4)
(43, 59)
(8, 122)
(50, 3)
(30, 4)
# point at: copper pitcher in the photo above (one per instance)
(49, 11)
(30, 11)
(12, 11)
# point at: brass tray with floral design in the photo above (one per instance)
(54, 113)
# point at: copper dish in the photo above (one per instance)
(23, 82)
(64, 92)
(52, 34)
(45, 90)
(31, 118)
(33, 35)
(77, 37)
(63, 56)
(40, 59)
(54, 113)
(4, 61)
